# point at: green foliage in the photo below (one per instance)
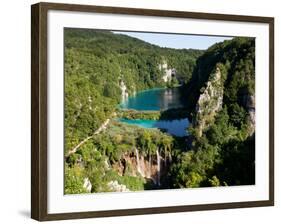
(221, 131)
(219, 157)
(133, 183)
(111, 91)
(192, 168)
(136, 114)
(224, 153)
(74, 180)
(214, 181)
(238, 163)
(170, 114)
(98, 156)
(237, 115)
(173, 83)
(96, 62)
(183, 61)
(236, 60)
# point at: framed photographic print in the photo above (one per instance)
(139, 111)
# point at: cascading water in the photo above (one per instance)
(124, 93)
(138, 161)
(146, 170)
(170, 158)
(158, 168)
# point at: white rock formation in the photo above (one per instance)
(106, 164)
(209, 102)
(168, 72)
(249, 103)
(124, 91)
(116, 187)
(87, 184)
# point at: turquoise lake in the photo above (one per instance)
(157, 99)
(173, 127)
(154, 99)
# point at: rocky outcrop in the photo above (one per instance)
(209, 102)
(248, 102)
(87, 185)
(124, 91)
(151, 167)
(116, 187)
(169, 73)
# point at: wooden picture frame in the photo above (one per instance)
(39, 110)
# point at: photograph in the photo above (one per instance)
(157, 111)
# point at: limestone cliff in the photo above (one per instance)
(209, 102)
(168, 73)
(248, 102)
(116, 187)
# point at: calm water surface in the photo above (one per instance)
(157, 99)
(154, 99)
(173, 127)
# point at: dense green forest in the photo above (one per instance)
(100, 152)
(224, 154)
(95, 64)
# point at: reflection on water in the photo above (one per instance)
(157, 99)
(154, 99)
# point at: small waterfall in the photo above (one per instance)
(170, 157)
(142, 166)
(138, 161)
(124, 93)
(158, 168)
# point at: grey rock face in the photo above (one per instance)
(209, 102)
(87, 185)
(116, 187)
(249, 104)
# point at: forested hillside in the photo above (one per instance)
(101, 68)
(221, 96)
(99, 63)
(102, 153)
